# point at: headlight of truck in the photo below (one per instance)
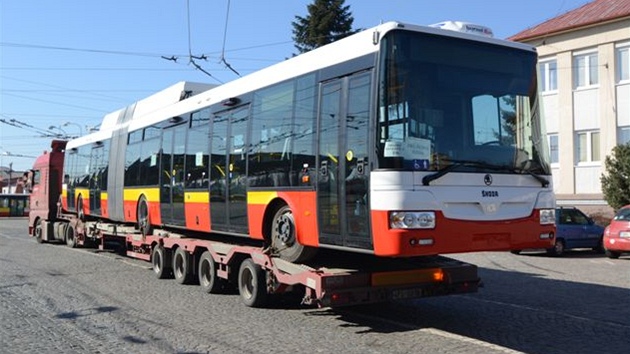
(412, 220)
(547, 216)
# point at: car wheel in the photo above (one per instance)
(600, 246)
(612, 254)
(558, 248)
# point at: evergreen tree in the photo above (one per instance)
(327, 21)
(616, 180)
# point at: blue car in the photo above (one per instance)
(574, 229)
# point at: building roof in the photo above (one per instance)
(592, 13)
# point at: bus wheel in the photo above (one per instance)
(38, 232)
(252, 284)
(284, 237)
(182, 266)
(70, 236)
(144, 220)
(207, 273)
(80, 211)
(160, 262)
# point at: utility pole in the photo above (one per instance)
(10, 174)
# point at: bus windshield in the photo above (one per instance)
(450, 104)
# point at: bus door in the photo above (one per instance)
(96, 160)
(228, 174)
(343, 177)
(173, 175)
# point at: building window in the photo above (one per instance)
(548, 75)
(585, 70)
(588, 146)
(623, 135)
(623, 63)
(553, 147)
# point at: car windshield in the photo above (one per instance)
(449, 104)
(623, 215)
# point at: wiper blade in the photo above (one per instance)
(455, 164)
(543, 181)
(459, 163)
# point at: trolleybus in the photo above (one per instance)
(398, 141)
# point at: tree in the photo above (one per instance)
(327, 21)
(616, 180)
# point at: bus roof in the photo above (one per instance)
(173, 102)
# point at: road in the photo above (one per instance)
(61, 300)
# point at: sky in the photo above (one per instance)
(65, 64)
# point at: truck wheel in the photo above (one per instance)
(70, 236)
(143, 217)
(182, 266)
(207, 273)
(39, 231)
(284, 237)
(160, 262)
(252, 284)
(558, 248)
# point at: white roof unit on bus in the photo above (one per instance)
(465, 27)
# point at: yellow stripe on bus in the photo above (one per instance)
(103, 195)
(197, 197)
(132, 195)
(82, 191)
(260, 197)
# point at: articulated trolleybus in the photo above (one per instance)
(397, 142)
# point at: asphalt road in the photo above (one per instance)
(60, 300)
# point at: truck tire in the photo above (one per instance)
(252, 284)
(70, 236)
(284, 237)
(38, 232)
(207, 274)
(182, 266)
(160, 262)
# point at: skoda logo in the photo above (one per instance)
(487, 179)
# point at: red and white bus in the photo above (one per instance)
(398, 141)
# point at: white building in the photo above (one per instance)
(585, 79)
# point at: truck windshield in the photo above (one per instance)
(450, 104)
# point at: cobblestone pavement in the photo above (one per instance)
(60, 300)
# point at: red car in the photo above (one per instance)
(617, 234)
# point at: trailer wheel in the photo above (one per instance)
(284, 237)
(160, 262)
(207, 273)
(252, 284)
(38, 232)
(182, 266)
(144, 220)
(70, 236)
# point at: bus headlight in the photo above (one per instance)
(412, 220)
(547, 216)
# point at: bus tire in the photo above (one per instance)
(182, 266)
(284, 237)
(80, 211)
(252, 284)
(143, 217)
(207, 273)
(160, 262)
(70, 236)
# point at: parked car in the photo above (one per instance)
(574, 229)
(617, 235)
